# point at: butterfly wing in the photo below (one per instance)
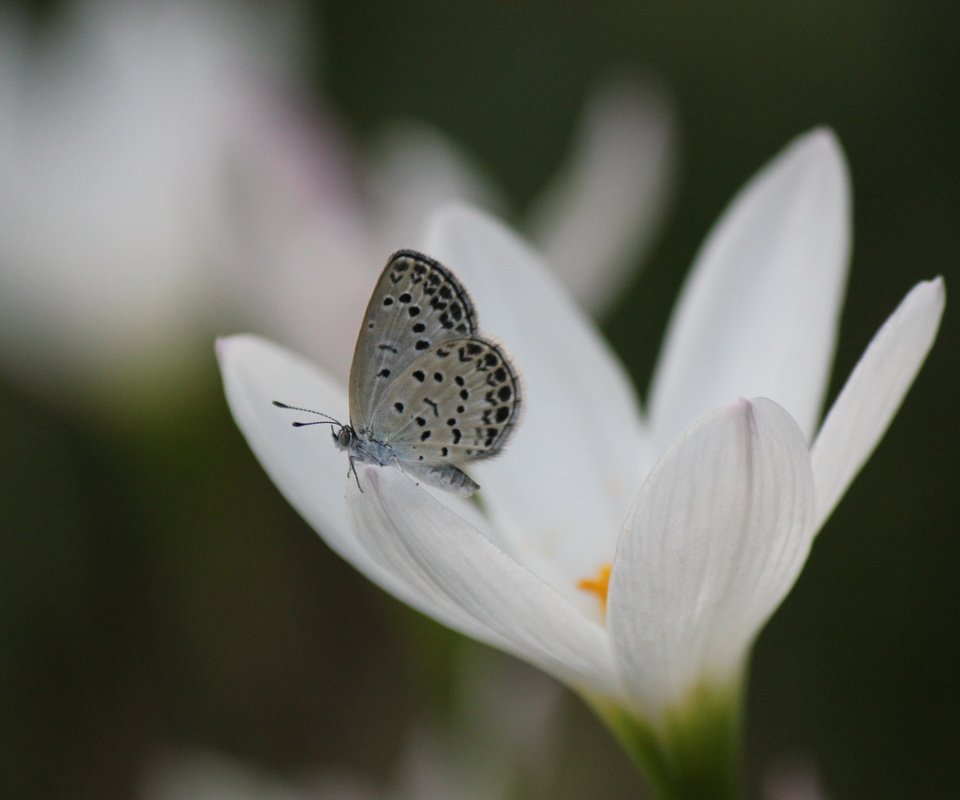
(416, 305)
(458, 401)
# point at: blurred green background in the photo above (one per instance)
(157, 593)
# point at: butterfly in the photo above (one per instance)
(427, 392)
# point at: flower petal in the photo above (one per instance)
(598, 215)
(412, 170)
(873, 393)
(443, 557)
(560, 491)
(759, 312)
(304, 464)
(716, 538)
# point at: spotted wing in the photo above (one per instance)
(459, 401)
(416, 305)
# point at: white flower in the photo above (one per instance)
(320, 217)
(701, 515)
(113, 125)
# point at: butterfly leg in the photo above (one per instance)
(353, 469)
(398, 464)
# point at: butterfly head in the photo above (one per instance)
(343, 436)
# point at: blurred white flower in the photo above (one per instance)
(213, 776)
(647, 602)
(472, 757)
(157, 179)
(472, 754)
(319, 219)
(598, 216)
(793, 780)
(113, 125)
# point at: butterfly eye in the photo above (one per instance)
(344, 436)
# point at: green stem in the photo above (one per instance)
(693, 753)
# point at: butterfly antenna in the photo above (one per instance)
(327, 421)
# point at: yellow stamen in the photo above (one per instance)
(598, 585)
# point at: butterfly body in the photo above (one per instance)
(364, 449)
(427, 392)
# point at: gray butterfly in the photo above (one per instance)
(427, 393)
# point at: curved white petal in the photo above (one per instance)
(440, 555)
(561, 489)
(597, 216)
(303, 462)
(758, 314)
(873, 393)
(715, 540)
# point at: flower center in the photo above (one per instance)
(598, 585)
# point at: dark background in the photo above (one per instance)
(156, 592)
